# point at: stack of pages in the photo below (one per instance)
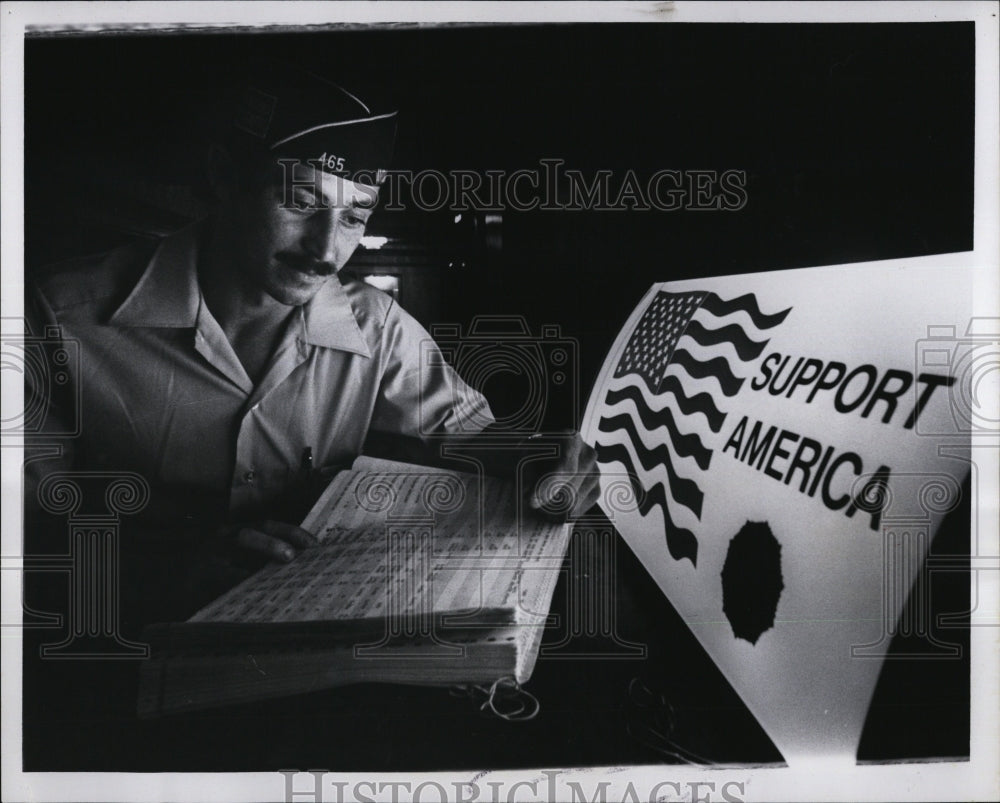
(421, 576)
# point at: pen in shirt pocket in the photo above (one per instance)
(314, 479)
(306, 465)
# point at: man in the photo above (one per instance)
(229, 365)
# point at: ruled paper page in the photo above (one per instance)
(403, 543)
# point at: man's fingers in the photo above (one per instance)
(561, 496)
(295, 536)
(592, 495)
(267, 545)
(573, 488)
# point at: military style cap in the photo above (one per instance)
(299, 115)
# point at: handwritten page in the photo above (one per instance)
(398, 540)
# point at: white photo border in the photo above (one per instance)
(976, 779)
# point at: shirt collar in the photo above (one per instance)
(168, 295)
(329, 320)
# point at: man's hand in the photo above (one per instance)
(566, 487)
(561, 487)
(274, 540)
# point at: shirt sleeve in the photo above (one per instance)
(421, 395)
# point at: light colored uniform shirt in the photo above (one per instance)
(162, 392)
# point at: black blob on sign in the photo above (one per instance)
(751, 581)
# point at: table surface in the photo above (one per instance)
(639, 691)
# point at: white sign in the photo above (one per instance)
(788, 443)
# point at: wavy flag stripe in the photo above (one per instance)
(698, 403)
(689, 405)
(685, 445)
(733, 334)
(672, 329)
(717, 367)
(681, 543)
(747, 304)
(652, 385)
(685, 492)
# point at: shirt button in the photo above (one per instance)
(248, 477)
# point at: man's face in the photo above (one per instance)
(296, 231)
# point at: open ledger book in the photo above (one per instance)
(421, 576)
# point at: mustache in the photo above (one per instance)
(306, 264)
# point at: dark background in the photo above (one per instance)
(857, 142)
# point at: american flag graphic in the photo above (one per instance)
(684, 360)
